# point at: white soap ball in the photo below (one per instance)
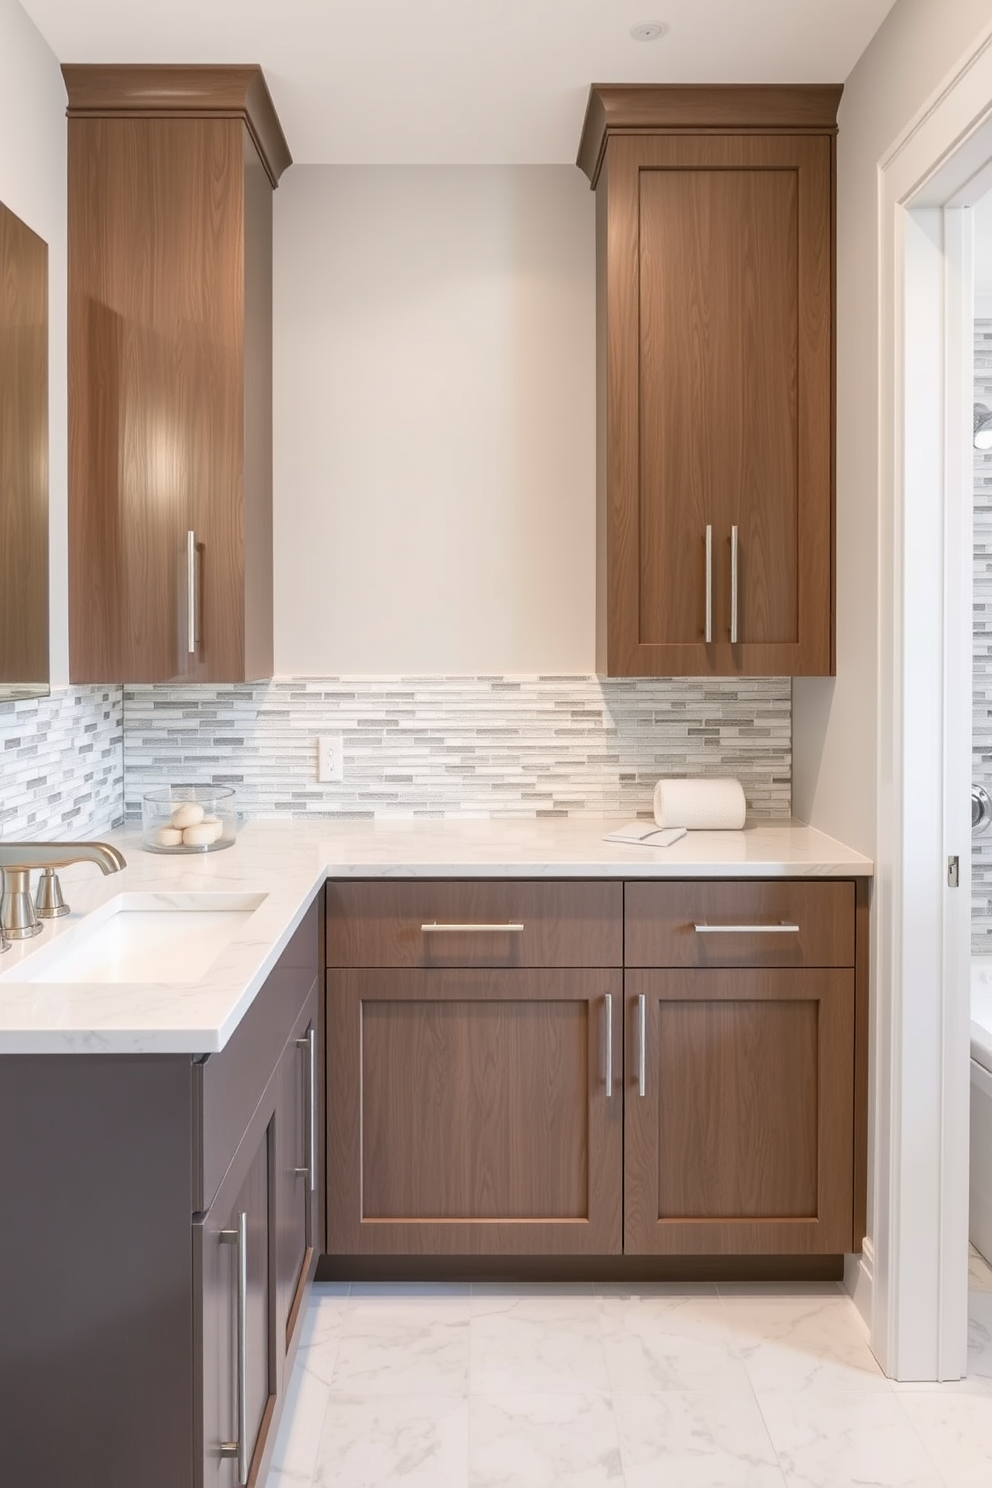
(215, 825)
(189, 814)
(201, 834)
(168, 837)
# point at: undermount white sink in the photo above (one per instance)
(143, 938)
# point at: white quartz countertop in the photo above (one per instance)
(288, 861)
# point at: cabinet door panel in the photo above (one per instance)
(742, 1142)
(296, 1155)
(245, 1192)
(718, 274)
(468, 1113)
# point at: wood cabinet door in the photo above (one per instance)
(739, 1112)
(169, 290)
(297, 1172)
(474, 1112)
(228, 1367)
(717, 271)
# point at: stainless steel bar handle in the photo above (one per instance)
(191, 593)
(310, 1171)
(435, 929)
(239, 1448)
(781, 929)
(642, 1045)
(733, 586)
(608, 1004)
(709, 584)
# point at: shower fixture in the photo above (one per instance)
(982, 431)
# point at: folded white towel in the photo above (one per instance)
(645, 834)
(701, 805)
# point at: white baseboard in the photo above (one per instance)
(859, 1272)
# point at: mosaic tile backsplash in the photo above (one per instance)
(62, 764)
(462, 746)
(981, 847)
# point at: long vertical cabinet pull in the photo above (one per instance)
(733, 586)
(608, 1005)
(191, 593)
(239, 1448)
(310, 1171)
(642, 1045)
(709, 584)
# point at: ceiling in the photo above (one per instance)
(462, 81)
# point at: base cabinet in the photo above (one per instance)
(152, 1305)
(487, 1098)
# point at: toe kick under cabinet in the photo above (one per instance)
(650, 1068)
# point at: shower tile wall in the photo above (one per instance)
(981, 853)
(62, 764)
(462, 746)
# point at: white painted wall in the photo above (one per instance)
(834, 720)
(33, 185)
(434, 420)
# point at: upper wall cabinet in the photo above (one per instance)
(715, 263)
(171, 173)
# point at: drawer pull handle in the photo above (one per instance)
(239, 1448)
(435, 929)
(642, 1045)
(608, 1004)
(780, 929)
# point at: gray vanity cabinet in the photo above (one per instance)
(156, 1244)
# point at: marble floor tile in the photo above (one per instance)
(294, 1455)
(537, 1344)
(695, 1441)
(956, 1429)
(804, 1343)
(320, 1330)
(826, 1440)
(655, 1344)
(543, 1441)
(393, 1441)
(979, 1272)
(404, 1345)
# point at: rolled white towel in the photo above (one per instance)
(701, 805)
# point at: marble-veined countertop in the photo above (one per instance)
(288, 861)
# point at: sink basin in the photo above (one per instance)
(142, 938)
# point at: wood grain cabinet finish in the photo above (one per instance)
(707, 1100)
(435, 923)
(473, 1073)
(739, 1138)
(171, 172)
(715, 261)
(120, 1298)
(23, 455)
(474, 1112)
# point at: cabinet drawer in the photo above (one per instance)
(465, 923)
(775, 922)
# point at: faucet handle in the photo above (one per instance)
(48, 901)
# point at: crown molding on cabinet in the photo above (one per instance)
(636, 108)
(195, 91)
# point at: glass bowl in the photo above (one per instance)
(188, 818)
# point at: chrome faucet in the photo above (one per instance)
(18, 920)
